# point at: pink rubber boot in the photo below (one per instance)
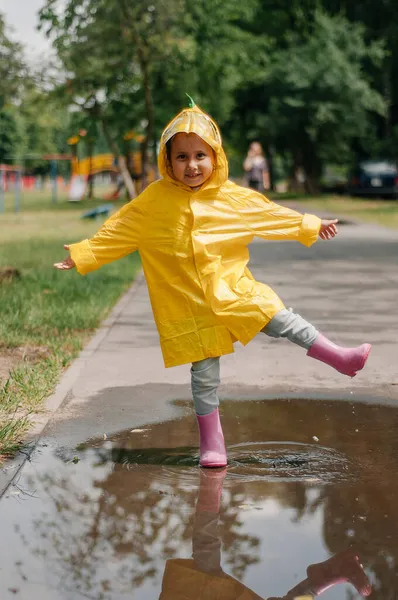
(210, 489)
(345, 360)
(212, 447)
(341, 568)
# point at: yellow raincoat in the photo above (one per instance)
(182, 580)
(193, 247)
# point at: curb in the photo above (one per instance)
(11, 468)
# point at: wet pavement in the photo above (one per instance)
(111, 503)
(121, 518)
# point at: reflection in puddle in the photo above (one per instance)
(205, 574)
(134, 517)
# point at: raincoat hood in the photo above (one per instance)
(194, 120)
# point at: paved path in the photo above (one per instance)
(347, 287)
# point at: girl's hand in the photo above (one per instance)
(328, 229)
(66, 264)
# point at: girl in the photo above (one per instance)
(192, 229)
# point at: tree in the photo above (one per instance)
(12, 66)
(227, 54)
(316, 98)
(114, 82)
(381, 23)
(140, 58)
(92, 70)
(11, 75)
(42, 124)
(9, 135)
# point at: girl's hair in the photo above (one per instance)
(168, 148)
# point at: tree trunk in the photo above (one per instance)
(270, 160)
(294, 180)
(148, 110)
(311, 184)
(128, 182)
(143, 54)
(90, 188)
(313, 170)
(121, 162)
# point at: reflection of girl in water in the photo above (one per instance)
(202, 577)
(256, 167)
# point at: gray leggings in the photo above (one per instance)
(205, 374)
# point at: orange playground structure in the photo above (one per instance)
(83, 169)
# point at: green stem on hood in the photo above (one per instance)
(192, 102)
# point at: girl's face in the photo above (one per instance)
(192, 160)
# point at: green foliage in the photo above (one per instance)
(12, 73)
(43, 125)
(32, 122)
(12, 67)
(10, 136)
(154, 53)
(116, 40)
(320, 93)
(316, 98)
(226, 54)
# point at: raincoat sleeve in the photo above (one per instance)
(271, 221)
(120, 235)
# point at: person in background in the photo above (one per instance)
(256, 167)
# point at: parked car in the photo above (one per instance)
(374, 178)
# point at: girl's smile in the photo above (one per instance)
(192, 159)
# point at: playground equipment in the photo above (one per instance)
(83, 172)
(10, 174)
(98, 211)
(85, 168)
(53, 158)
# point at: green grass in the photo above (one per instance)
(381, 212)
(41, 200)
(46, 316)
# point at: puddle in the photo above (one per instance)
(309, 496)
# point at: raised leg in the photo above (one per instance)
(347, 361)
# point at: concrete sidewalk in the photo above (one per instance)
(347, 287)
